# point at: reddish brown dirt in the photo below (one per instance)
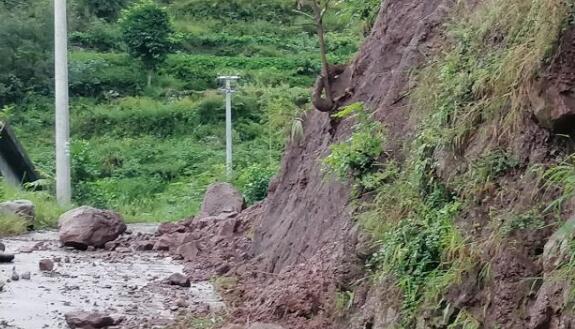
(305, 246)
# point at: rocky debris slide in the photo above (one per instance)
(90, 227)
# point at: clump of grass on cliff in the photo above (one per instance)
(480, 82)
(475, 89)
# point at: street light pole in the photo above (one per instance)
(63, 184)
(228, 90)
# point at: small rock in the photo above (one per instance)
(26, 276)
(46, 265)
(181, 303)
(15, 276)
(6, 258)
(178, 279)
(2, 247)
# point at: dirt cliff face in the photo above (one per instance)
(308, 246)
(307, 210)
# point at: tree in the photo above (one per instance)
(318, 9)
(147, 31)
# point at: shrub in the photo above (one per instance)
(357, 155)
(94, 75)
(254, 181)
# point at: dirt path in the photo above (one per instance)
(123, 283)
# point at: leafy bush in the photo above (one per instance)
(254, 181)
(147, 33)
(357, 155)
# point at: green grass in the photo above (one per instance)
(473, 91)
(12, 225)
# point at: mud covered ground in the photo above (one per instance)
(124, 283)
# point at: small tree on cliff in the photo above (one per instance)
(316, 10)
(147, 32)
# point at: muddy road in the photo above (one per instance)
(126, 284)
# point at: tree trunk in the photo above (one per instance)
(150, 75)
(323, 49)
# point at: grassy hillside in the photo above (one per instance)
(150, 152)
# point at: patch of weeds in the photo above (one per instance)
(488, 167)
(225, 283)
(481, 81)
(464, 320)
(12, 225)
(196, 322)
(531, 220)
(561, 177)
(343, 301)
(358, 155)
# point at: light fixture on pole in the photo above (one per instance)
(228, 90)
(63, 184)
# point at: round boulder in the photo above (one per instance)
(222, 198)
(86, 226)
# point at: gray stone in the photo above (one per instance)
(2, 247)
(90, 227)
(178, 279)
(222, 198)
(26, 276)
(22, 208)
(88, 320)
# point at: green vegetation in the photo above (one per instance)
(356, 157)
(147, 33)
(47, 210)
(473, 92)
(150, 150)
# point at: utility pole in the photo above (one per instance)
(63, 184)
(228, 90)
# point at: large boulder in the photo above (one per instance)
(87, 320)
(22, 208)
(86, 226)
(222, 198)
